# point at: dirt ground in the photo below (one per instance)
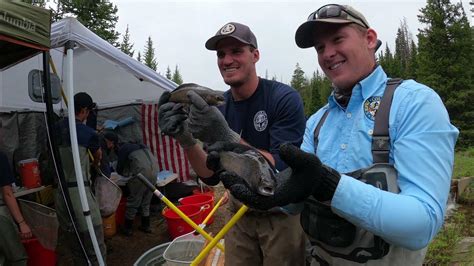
(122, 250)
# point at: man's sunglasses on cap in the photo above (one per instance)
(335, 11)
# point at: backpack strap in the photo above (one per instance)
(318, 128)
(380, 135)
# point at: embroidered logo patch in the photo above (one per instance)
(260, 121)
(228, 28)
(371, 106)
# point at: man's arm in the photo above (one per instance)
(14, 209)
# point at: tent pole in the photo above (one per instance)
(75, 149)
(50, 122)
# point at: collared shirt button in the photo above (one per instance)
(349, 115)
(343, 146)
(370, 132)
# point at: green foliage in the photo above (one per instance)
(168, 73)
(177, 76)
(98, 16)
(441, 249)
(464, 163)
(139, 57)
(445, 52)
(149, 57)
(126, 46)
(298, 80)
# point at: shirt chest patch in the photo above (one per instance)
(260, 121)
(371, 105)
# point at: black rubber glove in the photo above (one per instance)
(172, 121)
(305, 176)
(207, 123)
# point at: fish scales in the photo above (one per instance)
(212, 97)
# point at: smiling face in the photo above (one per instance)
(345, 53)
(236, 62)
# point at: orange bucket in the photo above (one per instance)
(29, 172)
(176, 225)
(110, 227)
(205, 201)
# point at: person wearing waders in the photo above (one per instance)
(260, 113)
(133, 159)
(375, 165)
(13, 227)
(88, 140)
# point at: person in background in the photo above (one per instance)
(134, 159)
(88, 141)
(259, 113)
(359, 211)
(13, 226)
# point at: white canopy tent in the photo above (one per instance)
(111, 77)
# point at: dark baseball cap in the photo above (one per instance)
(327, 14)
(234, 30)
(82, 99)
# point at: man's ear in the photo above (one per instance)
(371, 37)
(256, 55)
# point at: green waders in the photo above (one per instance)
(67, 240)
(12, 251)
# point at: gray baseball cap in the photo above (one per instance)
(234, 30)
(327, 14)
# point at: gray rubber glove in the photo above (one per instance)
(207, 123)
(305, 176)
(172, 121)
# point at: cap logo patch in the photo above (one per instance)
(228, 29)
(371, 106)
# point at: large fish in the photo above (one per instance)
(212, 97)
(251, 166)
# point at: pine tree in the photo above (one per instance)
(139, 57)
(149, 57)
(126, 46)
(298, 80)
(445, 52)
(98, 16)
(168, 73)
(177, 76)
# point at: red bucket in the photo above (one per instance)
(205, 201)
(120, 212)
(37, 254)
(176, 225)
(30, 174)
(205, 190)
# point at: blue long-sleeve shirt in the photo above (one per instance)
(422, 150)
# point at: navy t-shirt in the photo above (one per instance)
(273, 115)
(6, 176)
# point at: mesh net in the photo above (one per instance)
(184, 249)
(108, 195)
(42, 221)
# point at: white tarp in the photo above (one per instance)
(111, 77)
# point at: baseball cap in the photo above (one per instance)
(82, 99)
(332, 13)
(234, 30)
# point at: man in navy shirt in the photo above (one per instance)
(260, 113)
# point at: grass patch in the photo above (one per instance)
(464, 163)
(440, 251)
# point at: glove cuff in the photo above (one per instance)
(233, 137)
(328, 186)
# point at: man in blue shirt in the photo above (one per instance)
(378, 227)
(257, 112)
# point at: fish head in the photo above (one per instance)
(267, 181)
(215, 98)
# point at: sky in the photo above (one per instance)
(179, 29)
